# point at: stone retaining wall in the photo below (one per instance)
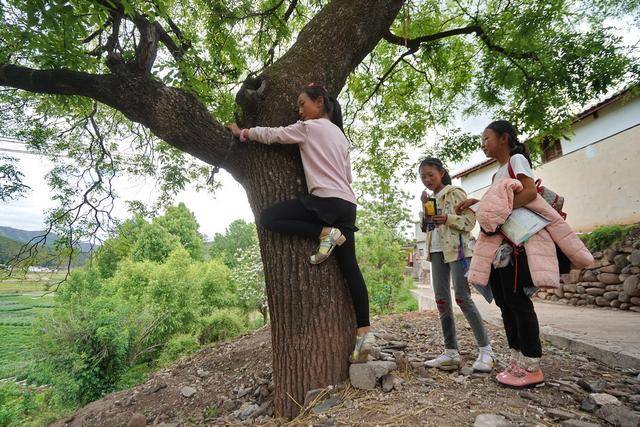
(612, 281)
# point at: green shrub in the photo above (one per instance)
(26, 406)
(15, 404)
(382, 262)
(178, 346)
(405, 301)
(604, 236)
(83, 349)
(218, 290)
(221, 325)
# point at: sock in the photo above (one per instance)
(531, 364)
(486, 349)
(514, 355)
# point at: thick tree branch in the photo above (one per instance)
(327, 50)
(290, 10)
(476, 29)
(176, 51)
(147, 48)
(172, 114)
(416, 42)
(150, 35)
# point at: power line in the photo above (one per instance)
(16, 141)
(11, 150)
(12, 140)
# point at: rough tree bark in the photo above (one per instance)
(312, 316)
(312, 327)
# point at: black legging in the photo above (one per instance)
(292, 217)
(518, 314)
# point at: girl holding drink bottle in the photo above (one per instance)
(447, 248)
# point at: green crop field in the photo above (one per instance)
(21, 302)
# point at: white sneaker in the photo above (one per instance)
(447, 361)
(327, 244)
(484, 362)
(363, 348)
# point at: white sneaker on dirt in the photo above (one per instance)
(484, 362)
(447, 361)
(363, 348)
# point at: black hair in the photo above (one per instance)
(502, 127)
(331, 105)
(436, 163)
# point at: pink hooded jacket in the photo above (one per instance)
(493, 210)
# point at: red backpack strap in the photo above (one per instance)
(512, 174)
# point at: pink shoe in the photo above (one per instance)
(519, 377)
(513, 364)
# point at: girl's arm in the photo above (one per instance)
(464, 205)
(292, 134)
(527, 194)
(466, 219)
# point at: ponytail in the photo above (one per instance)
(437, 163)
(502, 127)
(331, 104)
(335, 114)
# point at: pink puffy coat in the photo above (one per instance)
(493, 210)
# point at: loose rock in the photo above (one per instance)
(593, 386)
(324, 406)
(578, 423)
(187, 391)
(492, 420)
(601, 399)
(619, 415)
(558, 414)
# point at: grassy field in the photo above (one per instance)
(21, 302)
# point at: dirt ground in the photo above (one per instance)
(229, 384)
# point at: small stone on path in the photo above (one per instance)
(187, 391)
(492, 420)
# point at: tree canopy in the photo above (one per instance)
(529, 61)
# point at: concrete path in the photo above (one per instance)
(613, 337)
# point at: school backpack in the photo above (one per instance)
(555, 200)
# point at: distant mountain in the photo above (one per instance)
(24, 236)
(8, 248)
(11, 246)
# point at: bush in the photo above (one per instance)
(83, 349)
(147, 298)
(133, 376)
(15, 404)
(26, 406)
(155, 243)
(221, 325)
(604, 236)
(382, 262)
(405, 300)
(217, 287)
(178, 346)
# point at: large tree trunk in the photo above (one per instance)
(312, 316)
